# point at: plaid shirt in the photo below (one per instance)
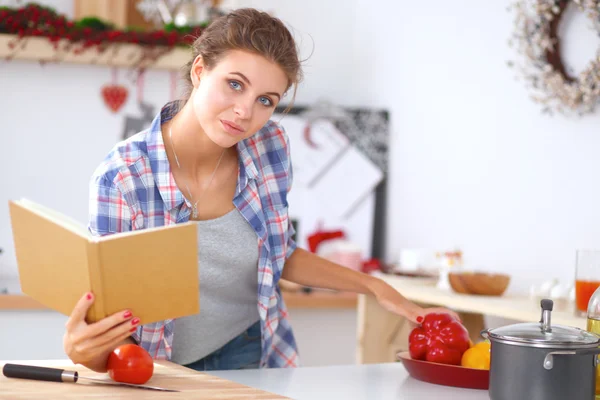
(134, 189)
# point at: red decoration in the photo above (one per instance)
(320, 236)
(373, 264)
(114, 96)
(39, 21)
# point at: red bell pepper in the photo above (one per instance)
(440, 338)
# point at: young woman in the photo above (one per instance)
(217, 158)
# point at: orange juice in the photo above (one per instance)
(583, 292)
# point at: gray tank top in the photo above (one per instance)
(228, 271)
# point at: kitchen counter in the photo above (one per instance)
(382, 334)
(350, 382)
(387, 381)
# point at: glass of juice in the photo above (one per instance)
(587, 278)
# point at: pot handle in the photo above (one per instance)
(549, 359)
(485, 333)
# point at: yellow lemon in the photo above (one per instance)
(477, 357)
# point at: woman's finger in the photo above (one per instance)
(80, 310)
(115, 335)
(108, 323)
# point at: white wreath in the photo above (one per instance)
(550, 87)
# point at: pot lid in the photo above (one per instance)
(532, 334)
(544, 334)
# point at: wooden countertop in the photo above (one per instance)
(316, 299)
(190, 383)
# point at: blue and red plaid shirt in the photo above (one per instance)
(134, 189)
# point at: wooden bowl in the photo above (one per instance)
(479, 283)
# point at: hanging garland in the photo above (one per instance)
(34, 20)
(537, 41)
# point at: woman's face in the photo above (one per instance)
(235, 98)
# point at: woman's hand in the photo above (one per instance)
(393, 301)
(90, 344)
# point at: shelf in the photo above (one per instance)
(118, 55)
(322, 300)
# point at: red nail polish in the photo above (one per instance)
(127, 314)
(135, 321)
(419, 319)
(89, 296)
(133, 330)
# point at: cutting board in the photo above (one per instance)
(192, 384)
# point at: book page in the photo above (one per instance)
(118, 235)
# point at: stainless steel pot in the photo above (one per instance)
(541, 361)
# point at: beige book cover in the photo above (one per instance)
(152, 272)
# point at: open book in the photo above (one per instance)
(152, 272)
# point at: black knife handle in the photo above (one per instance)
(37, 373)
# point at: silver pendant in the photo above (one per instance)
(195, 210)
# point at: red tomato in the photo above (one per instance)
(440, 338)
(130, 363)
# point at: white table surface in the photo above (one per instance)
(350, 382)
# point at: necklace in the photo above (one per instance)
(195, 204)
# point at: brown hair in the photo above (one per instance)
(251, 30)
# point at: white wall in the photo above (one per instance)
(474, 163)
(324, 32)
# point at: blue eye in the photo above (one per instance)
(265, 101)
(235, 85)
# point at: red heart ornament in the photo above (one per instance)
(114, 96)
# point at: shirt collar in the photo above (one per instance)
(159, 163)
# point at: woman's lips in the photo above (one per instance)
(232, 128)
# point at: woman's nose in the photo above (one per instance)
(243, 110)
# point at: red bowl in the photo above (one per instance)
(444, 374)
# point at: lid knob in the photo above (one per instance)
(547, 306)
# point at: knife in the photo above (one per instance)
(61, 375)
